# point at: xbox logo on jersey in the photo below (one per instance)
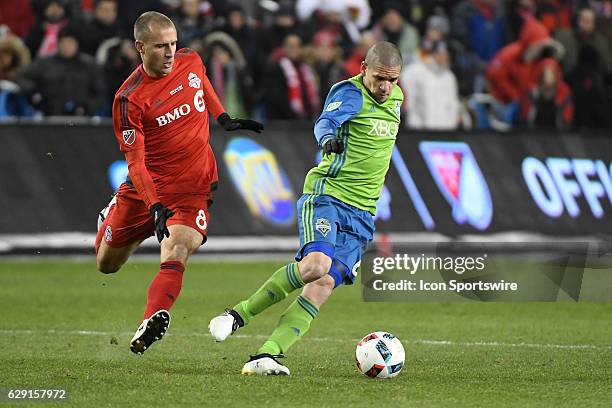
(383, 128)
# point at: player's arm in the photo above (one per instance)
(216, 109)
(127, 122)
(343, 102)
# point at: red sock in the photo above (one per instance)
(165, 288)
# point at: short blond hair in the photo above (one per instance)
(142, 25)
(384, 53)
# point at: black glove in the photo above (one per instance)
(230, 123)
(333, 146)
(160, 215)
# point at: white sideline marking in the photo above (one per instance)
(272, 243)
(326, 339)
(502, 344)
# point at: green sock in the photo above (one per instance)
(293, 324)
(282, 282)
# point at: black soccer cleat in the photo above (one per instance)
(150, 331)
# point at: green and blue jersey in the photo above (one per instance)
(368, 130)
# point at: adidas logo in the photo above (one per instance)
(372, 109)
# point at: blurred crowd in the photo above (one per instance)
(469, 64)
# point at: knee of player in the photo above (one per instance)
(327, 284)
(319, 291)
(314, 266)
(178, 252)
(106, 267)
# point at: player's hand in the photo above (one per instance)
(160, 215)
(231, 124)
(333, 146)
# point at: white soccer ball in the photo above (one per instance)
(380, 355)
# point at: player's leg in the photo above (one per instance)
(187, 233)
(356, 232)
(293, 324)
(122, 225)
(317, 235)
(295, 320)
(110, 260)
(283, 281)
(175, 250)
(166, 286)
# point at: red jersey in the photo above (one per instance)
(162, 127)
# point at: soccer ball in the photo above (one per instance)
(380, 355)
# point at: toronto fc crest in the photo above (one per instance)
(194, 80)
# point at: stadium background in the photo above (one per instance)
(523, 139)
(534, 186)
(471, 164)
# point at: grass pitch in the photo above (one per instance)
(66, 326)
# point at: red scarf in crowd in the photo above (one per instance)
(48, 46)
(295, 90)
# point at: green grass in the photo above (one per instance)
(46, 304)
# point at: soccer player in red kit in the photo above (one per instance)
(160, 118)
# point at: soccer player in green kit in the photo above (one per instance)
(357, 132)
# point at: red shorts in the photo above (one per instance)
(129, 221)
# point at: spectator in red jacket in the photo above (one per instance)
(352, 66)
(510, 72)
(548, 104)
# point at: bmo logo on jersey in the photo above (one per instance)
(183, 110)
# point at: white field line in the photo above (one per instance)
(5, 332)
(271, 243)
